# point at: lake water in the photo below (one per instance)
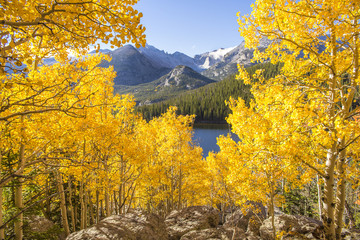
(205, 136)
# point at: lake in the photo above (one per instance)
(205, 136)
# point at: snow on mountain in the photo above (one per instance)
(206, 60)
(238, 55)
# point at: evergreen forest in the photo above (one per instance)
(208, 103)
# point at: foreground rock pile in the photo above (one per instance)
(203, 223)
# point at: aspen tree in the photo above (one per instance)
(318, 43)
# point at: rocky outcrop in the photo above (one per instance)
(188, 219)
(183, 77)
(39, 224)
(131, 226)
(352, 234)
(292, 227)
(248, 219)
(38, 227)
(215, 233)
(202, 223)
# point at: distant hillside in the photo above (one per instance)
(178, 80)
(169, 60)
(208, 102)
(134, 68)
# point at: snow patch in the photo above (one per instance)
(220, 53)
(214, 57)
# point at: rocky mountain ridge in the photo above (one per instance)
(179, 79)
(145, 70)
(169, 60)
(146, 64)
(185, 77)
(133, 68)
(238, 55)
(206, 60)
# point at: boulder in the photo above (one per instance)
(133, 225)
(39, 224)
(38, 227)
(248, 219)
(185, 220)
(350, 234)
(292, 227)
(215, 234)
(252, 237)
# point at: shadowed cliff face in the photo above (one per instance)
(134, 68)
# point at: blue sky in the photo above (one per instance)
(192, 26)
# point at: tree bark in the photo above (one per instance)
(180, 186)
(328, 197)
(328, 203)
(2, 230)
(76, 213)
(73, 223)
(115, 202)
(91, 210)
(63, 204)
(111, 202)
(121, 186)
(86, 215)
(107, 182)
(18, 190)
(48, 200)
(101, 209)
(319, 196)
(82, 205)
(131, 199)
(340, 195)
(97, 207)
(272, 210)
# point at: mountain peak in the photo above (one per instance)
(233, 57)
(184, 77)
(208, 59)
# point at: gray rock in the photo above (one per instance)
(252, 237)
(293, 227)
(38, 227)
(181, 222)
(215, 234)
(39, 224)
(350, 234)
(249, 219)
(134, 225)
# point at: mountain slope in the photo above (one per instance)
(183, 78)
(238, 55)
(168, 60)
(206, 60)
(134, 68)
(178, 80)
